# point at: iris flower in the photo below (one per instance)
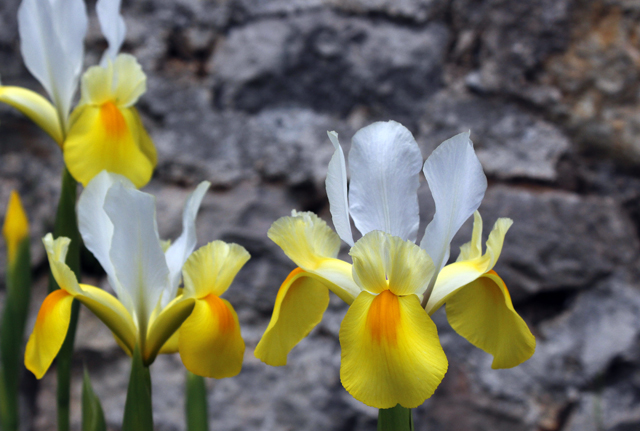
(104, 132)
(391, 353)
(118, 225)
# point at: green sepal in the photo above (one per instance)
(66, 225)
(397, 418)
(138, 413)
(14, 318)
(92, 414)
(196, 403)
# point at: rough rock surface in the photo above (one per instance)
(242, 92)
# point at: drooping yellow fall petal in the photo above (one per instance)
(210, 340)
(49, 332)
(482, 312)
(212, 268)
(36, 107)
(16, 226)
(391, 353)
(107, 137)
(300, 304)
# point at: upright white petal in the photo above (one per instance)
(96, 228)
(112, 26)
(136, 254)
(52, 45)
(457, 184)
(336, 184)
(182, 248)
(384, 163)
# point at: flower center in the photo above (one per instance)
(114, 124)
(384, 317)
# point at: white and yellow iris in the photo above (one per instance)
(104, 132)
(118, 225)
(391, 353)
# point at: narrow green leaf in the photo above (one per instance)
(138, 414)
(12, 334)
(92, 414)
(396, 418)
(66, 224)
(196, 403)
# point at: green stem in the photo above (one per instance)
(138, 413)
(196, 403)
(396, 418)
(66, 225)
(12, 334)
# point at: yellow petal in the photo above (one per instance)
(305, 238)
(57, 253)
(35, 107)
(313, 246)
(473, 249)
(121, 81)
(382, 261)
(391, 353)
(16, 226)
(210, 340)
(131, 82)
(165, 325)
(172, 345)
(112, 313)
(299, 307)
(482, 312)
(463, 272)
(49, 332)
(107, 137)
(212, 268)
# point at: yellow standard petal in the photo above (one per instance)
(36, 107)
(210, 340)
(300, 304)
(482, 312)
(212, 268)
(391, 353)
(16, 226)
(108, 137)
(49, 332)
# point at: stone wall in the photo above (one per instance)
(242, 92)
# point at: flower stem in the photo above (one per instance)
(66, 224)
(138, 414)
(396, 418)
(196, 403)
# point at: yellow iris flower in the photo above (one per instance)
(391, 353)
(104, 132)
(16, 226)
(118, 226)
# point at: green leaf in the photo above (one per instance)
(66, 224)
(92, 414)
(196, 403)
(138, 414)
(14, 318)
(396, 418)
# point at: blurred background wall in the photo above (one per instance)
(242, 92)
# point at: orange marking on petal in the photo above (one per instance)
(49, 304)
(226, 323)
(384, 317)
(113, 120)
